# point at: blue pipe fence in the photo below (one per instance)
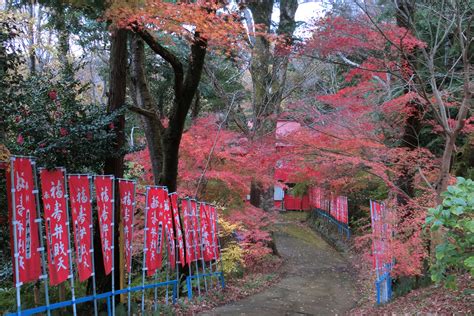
(107, 296)
(383, 286)
(342, 228)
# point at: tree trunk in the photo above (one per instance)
(286, 28)
(31, 35)
(446, 162)
(170, 161)
(163, 143)
(142, 99)
(114, 164)
(260, 63)
(404, 14)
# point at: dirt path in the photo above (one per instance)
(316, 280)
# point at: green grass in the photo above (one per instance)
(294, 216)
(303, 233)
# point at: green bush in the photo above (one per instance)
(455, 216)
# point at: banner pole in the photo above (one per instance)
(91, 227)
(113, 244)
(219, 243)
(145, 249)
(71, 276)
(15, 237)
(176, 243)
(40, 231)
(167, 277)
(198, 217)
(195, 237)
(177, 267)
(155, 295)
(213, 233)
(188, 251)
(212, 237)
(131, 247)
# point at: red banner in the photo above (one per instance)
(154, 233)
(56, 219)
(177, 225)
(333, 206)
(206, 234)
(344, 210)
(168, 220)
(214, 230)
(381, 234)
(196, 232)
(24, 204)
(81, 210)
(188, 230)
(338, 209)
(104, 192)
(127, 203)
(315, 197)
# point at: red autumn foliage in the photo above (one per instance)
(181, 19)
(234, 162)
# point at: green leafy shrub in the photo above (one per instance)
(51, 122)
(455, 216)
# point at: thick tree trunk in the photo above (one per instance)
(260, 63)
(286, 28)
(183, 101)
(142, 99)
(114, 164)
(170, 161)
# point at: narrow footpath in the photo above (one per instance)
(316, 279)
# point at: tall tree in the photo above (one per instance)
(164, 129)
(268, 66)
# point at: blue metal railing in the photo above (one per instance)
(383, 285)
(189, 279)
(106, 296)
(342, 227)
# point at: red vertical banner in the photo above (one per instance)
(206, 234)
(154, 233)
(177, 224)
(214, 230)
(169, 231)
(104, 192)
(81, 211)
(188, 234)
(55, 217)
(318, 198)
(127, 203)
(333, 206)
(345, 210)
(23, 215)
(195, 228)
(377, 220)
(339, 208)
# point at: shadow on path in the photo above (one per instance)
(316, 280)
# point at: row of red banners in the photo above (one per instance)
(161, 215)
(336, 206)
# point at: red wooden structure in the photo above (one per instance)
(284, 200)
